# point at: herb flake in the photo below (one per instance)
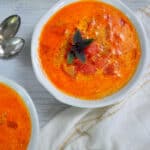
(77, 49)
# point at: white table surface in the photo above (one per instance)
(19, 68)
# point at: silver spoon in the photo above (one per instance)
(11, 47)
(9, 27)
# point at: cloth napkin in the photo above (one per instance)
(124, 126)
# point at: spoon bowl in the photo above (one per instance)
(11, 47)
(9, 27)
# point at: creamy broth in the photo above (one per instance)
(15, 123)
(111, 59)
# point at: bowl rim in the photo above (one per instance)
(63, 97)
(31, 109)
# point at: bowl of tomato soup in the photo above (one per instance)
(89, 53)
(19, 123)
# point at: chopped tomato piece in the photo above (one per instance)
(112, 69)
(102, 62)
(86, 68)
(99, 61)
(109, 69)
(92, 49)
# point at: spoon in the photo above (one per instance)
(9, 27)
(11, 47)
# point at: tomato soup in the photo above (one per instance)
(110, 60)
(15, 123)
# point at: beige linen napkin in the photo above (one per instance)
(124, 126)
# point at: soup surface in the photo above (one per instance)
(15, 123)
(110, 60)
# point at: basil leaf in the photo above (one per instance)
(78, 46)
(70, 57)
(87, 42)
(77, 37)
(80, 56)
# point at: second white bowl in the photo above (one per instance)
(33, 144)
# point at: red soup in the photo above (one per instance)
(15, 123)
(89, 49)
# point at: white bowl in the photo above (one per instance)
(75, 101)
(31, 108)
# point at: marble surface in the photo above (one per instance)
(19, 68)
